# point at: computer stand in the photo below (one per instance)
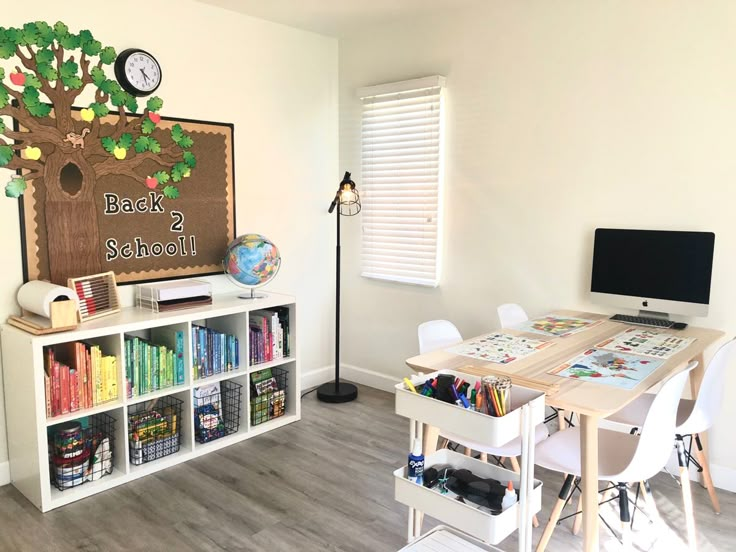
(653, 314)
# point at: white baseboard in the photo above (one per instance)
(4, 473)
(370, 378)
(316, 377)
(723, 477)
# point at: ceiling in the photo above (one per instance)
(337, 17)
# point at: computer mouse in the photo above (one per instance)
(679, 326)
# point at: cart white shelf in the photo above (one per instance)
(527, 410)
(25, 403)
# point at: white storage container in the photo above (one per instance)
(468, 519)
(468, 424)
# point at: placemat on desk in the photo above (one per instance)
(547, 388)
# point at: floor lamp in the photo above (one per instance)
(347, 202)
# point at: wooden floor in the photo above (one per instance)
(324, 483)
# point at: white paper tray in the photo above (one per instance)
(467, 424)
(468, 519)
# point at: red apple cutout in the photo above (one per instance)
(155, 117)
(18, 79)
(151, 182)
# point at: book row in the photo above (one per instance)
(155, 364)
(269, 335)
(214, 352)
(77, 376)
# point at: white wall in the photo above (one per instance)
(562, 117)
(278, 86)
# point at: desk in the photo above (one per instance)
(590, 400)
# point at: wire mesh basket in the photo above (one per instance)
(217, 410)
(154, 429)
(268, 392)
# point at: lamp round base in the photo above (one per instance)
(345, 392)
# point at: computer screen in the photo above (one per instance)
(656, 270)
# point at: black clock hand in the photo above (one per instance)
(144, 75)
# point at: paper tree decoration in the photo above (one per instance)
(50, 144)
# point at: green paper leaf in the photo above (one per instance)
(154, 146)
(85, 36)
(68, 69)
(177, 133)
(6, 154)
(73, 83)
(147, 126)
(14, 35)
(7, 50)
(92, 48)
(47, 71)
(141, 144)
(69, 41)
(162, 177)
(109, 86)
(177, 172)
(100, 109)
(45, 34)
(171, 192)
(118, 98)
(2, 73)
(4, 96)
(40, 110)
(189, 159)
(30, 96)
(154, 103)
(131, 104)
(44, 56)
(98, 76)
(15, 187)
(126, 140)
(108, 144)
(32, 80)
(108, 55)
(30, 34)
(2, 126)
(60, 29)
(185, 142)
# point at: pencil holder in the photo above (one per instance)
(154, 430)
(81, 450)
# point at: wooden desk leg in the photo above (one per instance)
(696, 378)
(429, 439)
(589, 465)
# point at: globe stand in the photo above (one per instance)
(253, 295)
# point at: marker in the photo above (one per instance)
(410, 385)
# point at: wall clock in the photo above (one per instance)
(138, 72)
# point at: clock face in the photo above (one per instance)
(143, 72)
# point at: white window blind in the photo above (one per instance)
(401, 180)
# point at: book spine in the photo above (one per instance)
(179, 357)
(73, 390)
(236, 346)
(90, 379)
(55, 387)
(112, 377)
(65, 400)
(97, 367)
(47, 391)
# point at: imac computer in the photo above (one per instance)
(658, 272)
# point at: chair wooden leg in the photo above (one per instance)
(556, 511)
(702, 459)
(484, 457)
(468, 451)
(687, 498)
(646, 493)
(577, 521)
(443, 443)
(561, 420)
(517, 469)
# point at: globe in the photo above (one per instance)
(251, 261)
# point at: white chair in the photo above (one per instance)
(693, 417)
(511, 314)
(622, 457)
(438, 334)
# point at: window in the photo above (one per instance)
(401, 180)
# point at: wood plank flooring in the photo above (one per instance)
(324, 483)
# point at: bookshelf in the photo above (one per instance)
(29, 428)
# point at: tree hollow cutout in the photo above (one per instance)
(70, 179)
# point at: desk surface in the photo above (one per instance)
(578, 396)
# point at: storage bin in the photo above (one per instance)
(469, 519)
(474, 426)
(217, 410)
(447, 539)
(154, 430)
(265, 406)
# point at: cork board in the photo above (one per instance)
(140, 234)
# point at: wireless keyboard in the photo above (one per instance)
(642, 321)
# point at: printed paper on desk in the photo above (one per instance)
(647, 342)
(556, 325)
(609, 368)
(499, 347)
